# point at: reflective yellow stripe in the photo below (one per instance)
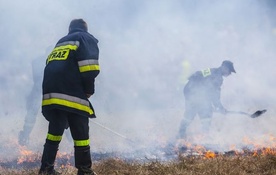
(66, 97)
(81, 142)
(67, 100)
(89, 68)
(71, 47)
(88, 65)
(88, 62)
(206, 72)
(68, 104)
(53, 137)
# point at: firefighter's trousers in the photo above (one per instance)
(195, 107)
(59, 120)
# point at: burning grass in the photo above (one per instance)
(220, 164)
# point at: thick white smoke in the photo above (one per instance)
(147, 50)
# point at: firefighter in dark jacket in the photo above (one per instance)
(202, 96)
(68, 82)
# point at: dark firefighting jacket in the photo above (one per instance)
(70, 72)
(204, 88)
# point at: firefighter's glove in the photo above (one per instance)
(222, 111)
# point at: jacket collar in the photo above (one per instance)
(76, 30)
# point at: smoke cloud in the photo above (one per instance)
(147, 51)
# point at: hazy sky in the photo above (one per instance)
(147, 50)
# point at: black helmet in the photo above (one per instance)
(78, 24)
(229, 65)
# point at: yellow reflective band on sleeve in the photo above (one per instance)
(89, 68)
(81, 142)
(67, 103)
(89, 65)
(206, 72)
(53, 137)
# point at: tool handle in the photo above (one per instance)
(237, 112)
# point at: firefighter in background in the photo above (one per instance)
(68, 82)
(33, 101)
(202, 96)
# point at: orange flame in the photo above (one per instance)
(25, 155)
(264, 146)
(210, 154)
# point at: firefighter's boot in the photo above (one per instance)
(48, 160)
(83, 160)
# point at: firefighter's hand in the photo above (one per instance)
(222, 110)
(88, 95)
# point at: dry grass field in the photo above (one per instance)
(214, 164)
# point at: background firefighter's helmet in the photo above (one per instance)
(229, 65)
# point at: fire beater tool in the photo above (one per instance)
(254, 115)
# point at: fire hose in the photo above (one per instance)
(114, 132)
